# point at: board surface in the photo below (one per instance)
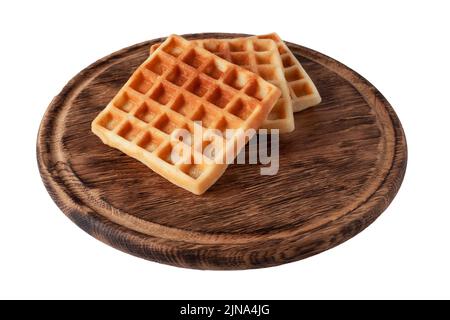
(339, 170)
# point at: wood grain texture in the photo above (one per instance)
(339, 170)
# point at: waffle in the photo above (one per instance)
(261, 57)
(302, 90)
(304, 93)
(174, 88)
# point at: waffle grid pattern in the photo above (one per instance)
(177, 86)
(261, 57)
(304, 93)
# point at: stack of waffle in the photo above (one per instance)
(190, 97)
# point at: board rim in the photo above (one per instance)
(143, 245)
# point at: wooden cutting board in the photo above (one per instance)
(339, 170)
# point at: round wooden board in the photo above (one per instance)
(339, 170)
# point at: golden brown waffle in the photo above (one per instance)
(179, 84)
(302, 90)
(304, 93)
(261, 57)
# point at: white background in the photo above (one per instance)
(401, 47)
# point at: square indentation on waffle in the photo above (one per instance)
(181, 88)
(238, 46)
(278, 111)
(206, 115)
(175, 47)
(241, 108)
(168, 122)
(126, 102)
(236, 80)
(240, 58)
(263, 58)
(178, 76)
(263, 46)
(301, 88)
(254, 89)
(293, 74)
(163, 93)
(182, 105)
(288, 61)
(141, 83)
(150, 141)
(109, 120)
(199, 85)
(158, 66)
(148, 111)
(220, 96)
(269, 72)
(195, 58)
(128, 130)
(214, 70)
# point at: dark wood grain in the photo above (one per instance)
(339, 170)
